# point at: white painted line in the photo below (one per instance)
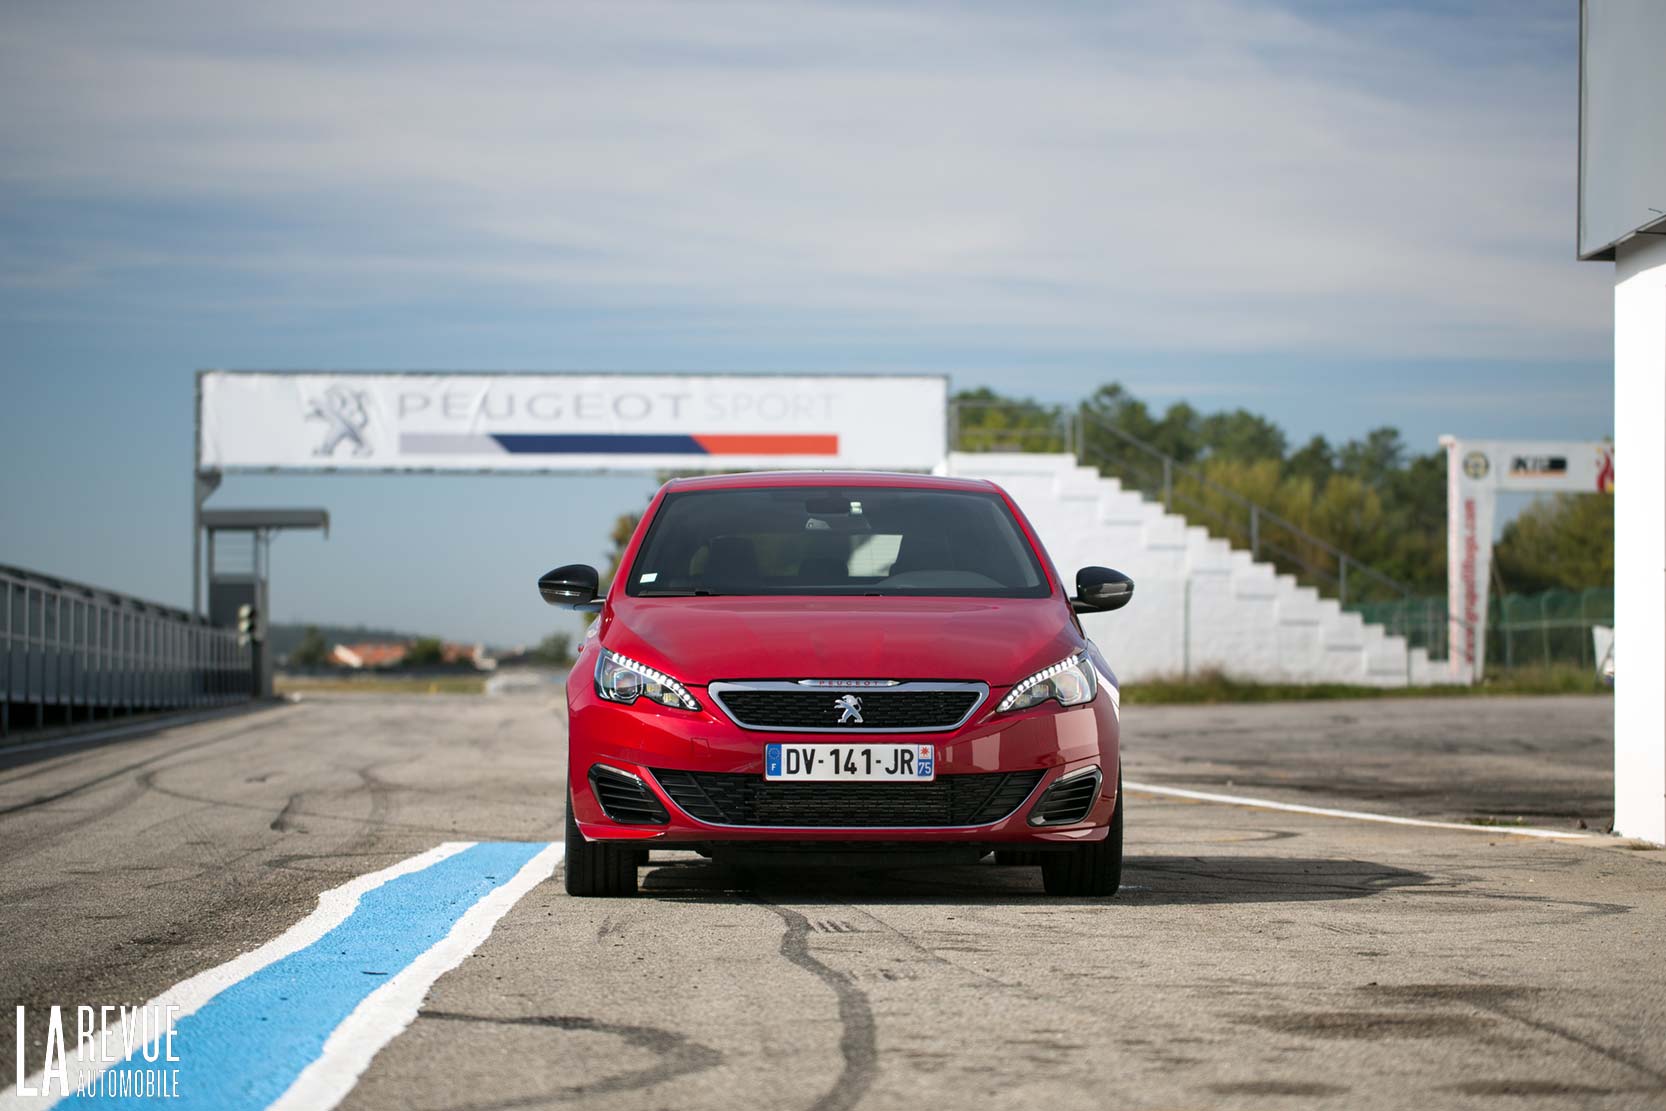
(334, 908)
(1356, 815)
(386, 1012)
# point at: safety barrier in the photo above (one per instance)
(70, 652)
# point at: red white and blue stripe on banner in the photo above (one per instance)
(617, 443)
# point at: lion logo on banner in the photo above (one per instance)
(343, 411)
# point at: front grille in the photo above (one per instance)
(1067, 801)
(626, 799)
(750, 800)
(819, 709)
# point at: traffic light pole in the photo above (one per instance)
(253, 616)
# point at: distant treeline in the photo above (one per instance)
(1373, 497)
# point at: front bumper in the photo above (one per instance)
(638, 739)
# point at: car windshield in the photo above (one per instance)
(835, 540)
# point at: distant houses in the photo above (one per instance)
(382, 655)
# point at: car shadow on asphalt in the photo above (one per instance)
(1146, 881)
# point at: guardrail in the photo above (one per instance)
(70, 652)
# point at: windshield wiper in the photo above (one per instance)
(701, 593)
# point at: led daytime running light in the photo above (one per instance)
(1041, 676)
(688, 700)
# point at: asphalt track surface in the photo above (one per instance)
(1255, 958)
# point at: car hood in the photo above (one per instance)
(698, 640)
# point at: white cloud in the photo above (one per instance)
(1215, 175)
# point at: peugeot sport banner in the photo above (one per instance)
(487, 422)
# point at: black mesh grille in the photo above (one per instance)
(1067, 801)
(751, 800)
(819, 709)
(626, 800)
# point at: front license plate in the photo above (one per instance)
(851, 763)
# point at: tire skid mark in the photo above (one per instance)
(117, 773)
(679, 1056)
(858, 1038)
(380, 823)
(1497, 1000)
(16, 764)
(285, 821)
(935, 955)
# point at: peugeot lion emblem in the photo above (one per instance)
(851, 707)
(343, 412)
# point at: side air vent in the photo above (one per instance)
(625, 798)
(1067, 801)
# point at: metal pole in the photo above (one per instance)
(1255, 532)
(1584, 630)
(1505, 627)
(196, 504)
(1186, 632)
(1168, 482)
(264, 660)
(1544, 624)
(1342, 591)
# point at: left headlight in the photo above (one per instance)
(1070, 682)
(622, 679)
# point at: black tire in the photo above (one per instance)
(597, 868)
(1094, 869)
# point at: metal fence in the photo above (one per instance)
(70, 653)
(1523, 630)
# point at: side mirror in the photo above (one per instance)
(1099, 589)
(573, 586)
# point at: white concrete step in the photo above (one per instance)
(1198, 602)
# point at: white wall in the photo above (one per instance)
(1640, 538)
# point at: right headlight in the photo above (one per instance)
(1070, 682)
(622, 679)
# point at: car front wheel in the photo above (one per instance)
(595, 867)
(1093, 869)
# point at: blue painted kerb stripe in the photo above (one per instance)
(537, 443)
(246, 1046)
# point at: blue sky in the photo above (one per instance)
(1339, 214)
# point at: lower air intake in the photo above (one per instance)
(750, 800)
(1067, 801)
(625, 798)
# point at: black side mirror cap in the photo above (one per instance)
(571, 587)
(1100, 589)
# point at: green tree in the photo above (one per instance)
(1241, 434)
(624, 526)
(1562, 542)
(555, 650)
(313, 651)
(1374, 459)
(424, 652)
(986, 421)
(1314, 460)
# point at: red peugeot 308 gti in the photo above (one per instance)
(839, 668)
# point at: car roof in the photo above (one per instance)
(755, 480)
